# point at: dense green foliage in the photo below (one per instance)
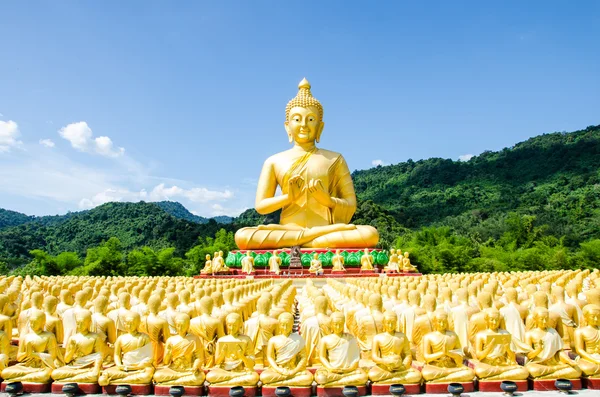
(535, 205)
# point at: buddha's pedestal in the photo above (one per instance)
(163, 390)
(338, 272)
(370, 272)
(30, 387)
(337, 391)
(548, 384)
(136, 390)
(591, 383)
(223, 391)
(384, 390)
(442, 388)
(494, 385)
(269, 391)
(84, 388)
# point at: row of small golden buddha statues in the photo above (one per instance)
(509, 326)
(397, 263)
(181, 331)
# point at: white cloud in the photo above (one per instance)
(80, 136)
(465, 157)
(377, 162)
(47, 142)
(9, 132)
(1, 115)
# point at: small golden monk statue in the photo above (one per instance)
(547, 360)
(218, 263)
(318, 198)
(183, 357)
(286, 357)
(406, 265)
(133, 356)
(208, 269)
(234, 360)
(339, 355)
(37, 355)
(316, 266)
(84, 354)
(393, 264)
(443, 354)
(208, 329)
(248, 263)
(366, 260)
(495, 359)
(274, 263)
(587, 342)
(392, 356)
(337, 262)
(4, 350)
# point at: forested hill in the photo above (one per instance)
(134, 224)
(554, 177)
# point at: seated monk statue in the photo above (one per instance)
(218, 263)
(208, 328)
(316, 266)
(133, 356)
(248, 263)
(366, 261)
(274, 263)
(392, 356)
(339, 355)
(317, 199)
(286, 357)
(208, 269)
(337, 262)
(443, 354)
(4, 350)
(393, 264)
(37, 355)
(547, 360)
(495, 359)
(234, 357)
(184, 356)
(587, 342)
(84, 354)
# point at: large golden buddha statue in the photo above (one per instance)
(317, 199)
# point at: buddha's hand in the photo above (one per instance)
(318, 191)
(295, 187)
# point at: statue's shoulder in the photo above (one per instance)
(329, 154)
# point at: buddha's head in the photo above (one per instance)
(83, 319)
(234, 323)
(492, 318)
(591, 313)
(50, 303)
(285, 323)
(337, 323)
(37, 320)
(304, 116)
(390, 320)
(131, 320)
(182, 324)
(440, 321)
(541, 315)
(124, 300)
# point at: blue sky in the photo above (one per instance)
(133, 100)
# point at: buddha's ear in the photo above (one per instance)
(287, 129)
(319, 131)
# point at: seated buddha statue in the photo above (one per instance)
(495, 359)
(183, 357)
(133, 356)
(37, 355)
(391, 355)
(318, 198)
(337, 262)
(443, 354)
(286, 357)
(274, 263)
(248, 263)
(234, 359)
(393, 264)
(587, 342)
(339, 355)
(4, 350)
(366, 260)
(547, 360)
(316, 266)
(207, 269)
(84, 353)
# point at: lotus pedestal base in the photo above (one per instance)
(84, 388)
(384, 390)
(163, 390)
(442, 388)
(337, 391)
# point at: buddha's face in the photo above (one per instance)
(441, 323)
(286, 324)
(131, 323)
(233, 325)
(181, 325)
(593, 318)
(303, 125)
(337, 324)
(542, 320)
(389, 323)
(493, 321)
(83, 323)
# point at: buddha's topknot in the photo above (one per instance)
(304, 99)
